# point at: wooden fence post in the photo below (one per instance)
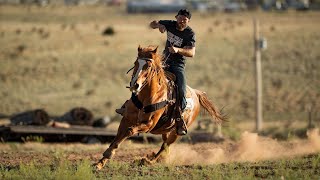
(258, 75)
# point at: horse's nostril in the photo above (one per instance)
(136, 86)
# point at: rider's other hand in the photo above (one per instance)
(173, 49)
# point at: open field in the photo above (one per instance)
(56, 58)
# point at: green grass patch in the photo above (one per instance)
(61, 170)
(306, 167)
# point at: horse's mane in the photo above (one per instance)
(151, 52)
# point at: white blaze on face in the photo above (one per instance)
(141, 63)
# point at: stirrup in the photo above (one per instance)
(181, 127)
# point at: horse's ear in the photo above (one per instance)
(155, 50)
(139, 48)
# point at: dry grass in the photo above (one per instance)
(56, 58)
(251, 158)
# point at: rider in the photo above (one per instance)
(180, 44)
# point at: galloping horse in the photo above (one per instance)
(149, 87)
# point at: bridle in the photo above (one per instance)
(134, 96)
(147, 59)
(145, 82)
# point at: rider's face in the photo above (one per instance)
(182, 21)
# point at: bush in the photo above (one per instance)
(109, 31)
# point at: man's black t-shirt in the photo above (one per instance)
(177, 39)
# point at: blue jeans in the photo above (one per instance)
(178, 69)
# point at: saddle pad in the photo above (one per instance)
(190, 103)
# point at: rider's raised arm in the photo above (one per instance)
(155, 24)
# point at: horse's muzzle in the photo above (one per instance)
(134, 88)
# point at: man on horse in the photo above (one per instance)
(180, 44)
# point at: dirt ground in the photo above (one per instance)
(251, 147)
(12, 153)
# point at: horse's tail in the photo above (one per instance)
(216, 115)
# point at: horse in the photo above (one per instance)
(149, 87)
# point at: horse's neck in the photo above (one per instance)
(154, 91)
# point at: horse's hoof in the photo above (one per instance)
(98, 166)
(145, 162)
(151, 156)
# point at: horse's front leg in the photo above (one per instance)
(145, 122)
(141, 128)
(123, 134)
(109, 153)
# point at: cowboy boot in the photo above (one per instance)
(181, 126)
(121, 110)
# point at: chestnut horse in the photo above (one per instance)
(149, 86)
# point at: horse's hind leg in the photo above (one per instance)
(168, 139)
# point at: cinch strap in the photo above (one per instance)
(150, 108)
(154, 107)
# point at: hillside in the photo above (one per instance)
(56, 58)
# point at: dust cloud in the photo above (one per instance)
(251, 147)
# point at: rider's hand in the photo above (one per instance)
(173, 49)
(162, 28)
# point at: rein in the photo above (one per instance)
(165, 60)
(130, 69)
